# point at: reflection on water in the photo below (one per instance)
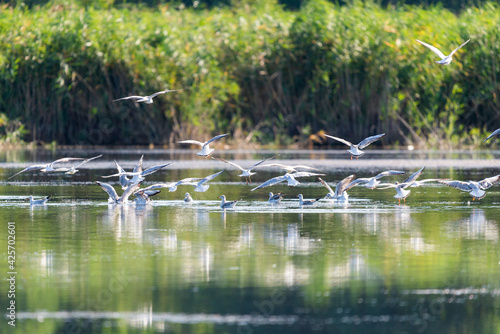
(430, 265)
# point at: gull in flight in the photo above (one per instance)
(475, 188)
(139, 174)
(420, 183)
(146, 99)
(340, 193)
(188, 198)
(42, 201)
(144, 196)
(355, 150)
(227, 205)
(48, 167)
(113, 196)
(291, 169)
(372, 182)
(74, 169)
(200, 186)
(275, 198)
(124, 180)
(289, 177)
(494, 133)
(445, 60)
(303, 202)
(401, 192)
(246, 173)
(205, 148)
(172, 186)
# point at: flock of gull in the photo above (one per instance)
(131, 181)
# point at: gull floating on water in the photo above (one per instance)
(445, 60)
(340, 193)
(146, 99)
(289, 177)
(227, 205)
(246, 173)
(475, 188)
(205, 148)
(74, 169)
(401, 192)
(188, 198)
(494, 133)
(275, 198)
(372, 182)
(303, 202)
(113, 196)
(42, 201)
(45, 168)
(355, 150)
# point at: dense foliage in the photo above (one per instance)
(261, 72)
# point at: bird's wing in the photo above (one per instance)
(214, 139)
(58, 161)
(130, 189)
(464, 186)
(414, 176)
(163, 92)
(389, 173)
(151, 193)
(189, 141)
(108, 189)
(138, 167)
(119, 168)
(87, 160)
(230, 163)
(323, 182)
(433, 49)
(343, 185)
(154, 169)
(367, 141)
(431, 180)
(210, 177)
(305, 174)
(386, 185)
(494, 133)
(265, 159)
(158, 186)
(451, 54)
(354, 183)
(271, 182)
(27, 169)
(189, 180)
(135, 97)
(488, 182)
(343, 141)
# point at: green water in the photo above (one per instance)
(430, 265)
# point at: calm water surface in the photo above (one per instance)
(430, 265)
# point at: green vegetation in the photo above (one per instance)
(263, 73)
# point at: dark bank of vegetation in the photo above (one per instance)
(264, 73)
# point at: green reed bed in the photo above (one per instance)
(263, 73)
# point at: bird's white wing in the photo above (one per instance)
(130, 189)
(387, 185)
(134, 97)
(413, 176)
(271, 182)
(305, 174)
(230, 163)
(494, 133)
(464, 186)
(58, 161)
(451, 54)
(343, 184)
(488, 182)
(343, 141)
(189, 141)
(323, 182)
(214, 139)
(163, 92)
(433, 49)
(87, 160)
(154, 169)
(108, 189)
(367, 141)
(389, 173)
(260, 162)
(354, 183)
(27, 169)
(158, 186)
(210, 177)
(138, 167)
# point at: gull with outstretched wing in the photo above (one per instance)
(355, 150)
(246, 173)
(206, 151)
(475, 188)
(46, 168)
(445, 60)
(146, 99)
(288, 177)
